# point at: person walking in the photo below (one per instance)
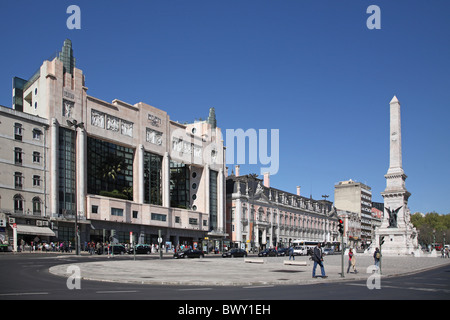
(351, 261)
(318, 260)
(377, 257)
(291, 253)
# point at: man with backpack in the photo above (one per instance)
(318, 260)
(377, 257)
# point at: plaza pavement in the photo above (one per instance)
(218, 271)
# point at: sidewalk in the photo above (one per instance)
(219, 271)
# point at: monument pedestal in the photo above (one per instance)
(397, 241)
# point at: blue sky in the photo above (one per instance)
(311, 69)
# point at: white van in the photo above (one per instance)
(300, 251)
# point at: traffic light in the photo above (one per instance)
(341, 226)
(381, 240)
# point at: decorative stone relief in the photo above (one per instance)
(97, 119)
(127, 128)
(154, 137)
(186, 147)
(67, 108)
(112, 123)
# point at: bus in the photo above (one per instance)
(304, 247)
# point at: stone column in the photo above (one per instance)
(166, 182)
(206, 175)
(140, 178)
(54, 167)
(82, 173)
(220, 200)
(238, 220)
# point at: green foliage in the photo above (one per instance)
(433, 227)
(114, 194)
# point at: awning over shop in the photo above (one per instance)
(35, 231)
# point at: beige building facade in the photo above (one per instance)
(123, 167)
(23, 174)
(356, 197)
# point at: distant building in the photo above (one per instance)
(356, 197)
(352, 227)
(24, 175)
(260, 216)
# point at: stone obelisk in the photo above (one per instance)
(400, 237)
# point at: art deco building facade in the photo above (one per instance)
(260, 216)
(123, 167)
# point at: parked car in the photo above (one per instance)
(328, 251)
(115, 249)
(189, 253)
(235, 253)
(268, 253)
(141, 249)
(283, 251)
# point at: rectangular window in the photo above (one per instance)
(193, 221)
(152, 178)
(18, 156)
(18, 131)
(18, 180)
(110, 169)
(36, 181)
(159, 217)
(36, 206)
(18, 204)
(67, 174)
(177, 219)
(37, 134)
(36, 157)
(94, 209)
(117, 212)
(213, 199)
(135, 214)
(179, 185)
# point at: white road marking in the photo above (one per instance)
(23, 293)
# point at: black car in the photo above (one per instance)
(189, 253)
(115, 249)
(283, 252)
(268, 253)
(141, 249)
(235, 253)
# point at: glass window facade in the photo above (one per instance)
(67, 172)
(159, 217)
(110, 169)
(179, 185)
(152, 178)
(213, 200)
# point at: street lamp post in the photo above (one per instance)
(75, 124)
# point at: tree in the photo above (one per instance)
(432, 227)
